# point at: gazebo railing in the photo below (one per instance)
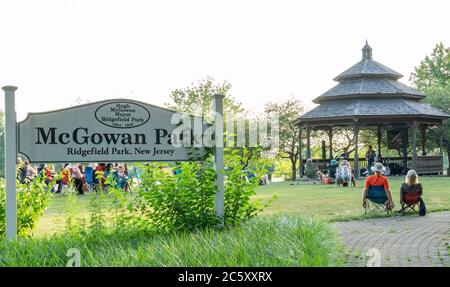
(429, 165)
(425, 164)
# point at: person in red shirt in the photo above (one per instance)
(378, 180)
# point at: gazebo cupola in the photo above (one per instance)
(367, 52)
(368, 95)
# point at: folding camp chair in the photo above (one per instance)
(409, 202)
(376, 197)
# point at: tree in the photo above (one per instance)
(434, 71)
(197, 99)
(288, 132)
(432, 77)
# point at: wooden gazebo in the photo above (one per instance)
(369, 96)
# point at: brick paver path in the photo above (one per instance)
(401, 240)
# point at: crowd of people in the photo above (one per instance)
(83, 178)
(340, 170)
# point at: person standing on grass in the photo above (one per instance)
(378, 180)
(370, 157)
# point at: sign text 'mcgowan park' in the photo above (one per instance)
(114, 130)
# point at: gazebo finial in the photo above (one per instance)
(367, 52)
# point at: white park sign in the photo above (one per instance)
(116, 130)
(112, 130)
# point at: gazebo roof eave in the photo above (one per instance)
(371, 75)
(345, 120)
(322, 99)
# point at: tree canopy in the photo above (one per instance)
(432, 77)
(288, 132)
(197, 99)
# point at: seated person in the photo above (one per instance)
(346, 163)
(310, 169)
(343, 173)
(378, 180)
(411, 184)
(89, 175)
(332, 168)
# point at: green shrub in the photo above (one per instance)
(181, 201)
(32, 199)
(185, 201)
(239, 187)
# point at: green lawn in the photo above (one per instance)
(325, 202)
(332, 203)
(268, 240)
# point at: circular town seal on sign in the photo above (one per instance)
(122, 114)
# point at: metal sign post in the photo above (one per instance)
(220, 194)
(10, 162)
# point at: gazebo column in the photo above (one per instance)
(308, 142)
(300, 158)
(324, 150)
(356, 158)
(441, 149)
(405, 138)
(441, 136)
(379, 142)
(330, 140)
(414, 145)
(423, 137)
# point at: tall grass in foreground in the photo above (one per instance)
(267, 241)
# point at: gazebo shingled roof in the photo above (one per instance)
(351, 108)
(368, 94)
(370, 89)
(368, 67)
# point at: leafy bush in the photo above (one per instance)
(181, 201)
(185, 201)
(241, 180)
(32, 199)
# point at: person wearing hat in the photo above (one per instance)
(378, 179)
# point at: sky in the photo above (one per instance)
(62, 50)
